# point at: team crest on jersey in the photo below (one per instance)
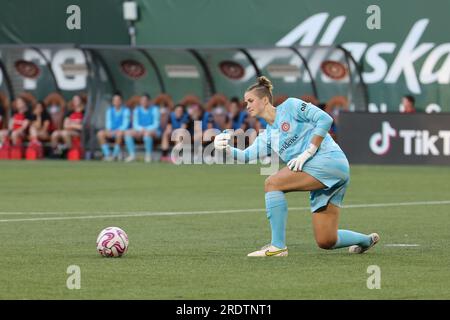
(285, 126)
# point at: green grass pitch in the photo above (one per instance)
(203, 256)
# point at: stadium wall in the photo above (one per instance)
(407, 54)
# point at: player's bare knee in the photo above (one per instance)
(54, 135)
(326, 244)
(270, 185)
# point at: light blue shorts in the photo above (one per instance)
(158, 133)
(333, 170)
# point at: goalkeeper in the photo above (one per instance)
(298, 132)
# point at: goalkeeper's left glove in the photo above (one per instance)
(297, 163)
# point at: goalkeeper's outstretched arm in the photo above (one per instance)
(258, 149)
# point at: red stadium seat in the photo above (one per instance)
(216, 100)
(190, 99)
(164, 100)
(5, 150)
(17, 151)
(337, 102)
(34, 151)
(133, 102)
(76, 152)
(279, 100)
(311, 99)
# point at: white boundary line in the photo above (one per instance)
(129, 214)
(402, 245)
(133, 212)
(175, 213)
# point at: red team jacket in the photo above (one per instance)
(18, 119)
(76, 116)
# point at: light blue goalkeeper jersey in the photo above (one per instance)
(296, 122)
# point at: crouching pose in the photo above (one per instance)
(298, 132)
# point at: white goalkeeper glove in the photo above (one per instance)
(221, 141)
(297, 163)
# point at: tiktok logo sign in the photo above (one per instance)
(395, 138)
(380, 142)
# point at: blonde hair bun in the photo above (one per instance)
(263, 88)
(265, 82)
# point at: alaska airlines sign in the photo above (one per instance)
(409, 51)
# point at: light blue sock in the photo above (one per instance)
(129, 142)
(347, 238)
(116, 150)
(105, 150)
(276, 209)
(148, 144)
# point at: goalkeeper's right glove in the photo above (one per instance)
(221, 141)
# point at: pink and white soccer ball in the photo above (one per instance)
(112, 242)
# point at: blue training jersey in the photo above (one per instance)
(262, 122)
(295, 124)
(239, 120)
(206, 119)
(178, 122)
(146, 118)
(118, 119)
